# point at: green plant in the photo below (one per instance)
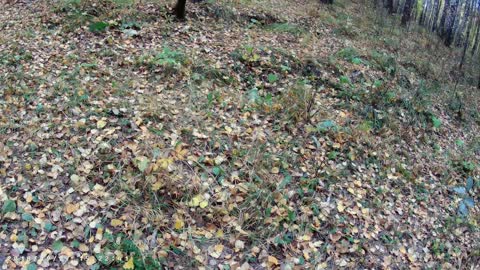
(327, 125)
(168, 59)
(349, 54)
(435, 121)
(98, 26)
(466, 201)
(249, 54)
(272, 78)
(384, 62)
(286, 28)
(298, 102)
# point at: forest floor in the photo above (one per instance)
(254, 135)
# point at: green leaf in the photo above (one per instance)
(98, 26)
(357, 61)
(75, 244)
(462, 209)
(49, 226)
(32, 266)
(469, 185)
(436, 122)
(286, 180)
(216, 171)
(291, 216)
(325, 125)
(272, 78)
(57, 246)
(460, 190)
(469, 202)
(9, 206)
(142, 163)
(27, 217)
(104, 259)
(253, 95)
(344, 80)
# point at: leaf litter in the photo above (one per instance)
(175, 147)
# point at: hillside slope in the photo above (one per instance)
(254, 135)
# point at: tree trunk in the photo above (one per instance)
(450, 23)
(407, 12)
(436, 11)
(179, 9)
(477, 38)
(466, 42)
(389, 6)
(423, 15)
(443, 19)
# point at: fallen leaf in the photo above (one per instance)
(116, 222)
(91, 261)
(203, 204)
(129, 264)
(71, 207)
(178, 224)
(272, 260)
(101, 124)
(340, 206)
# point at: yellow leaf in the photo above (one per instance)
(71, 207)
(403, 250)
(91, 260)
(180, 153)
(275, 170)
(340, 207)
(196, 200)
(101, 124)
(411, 257)
(164, 162)
(272, 260)
(116, 222)
(323, 265)
(28, 197)
(99, 234)
(157, 185)
(83, 248)
(129, 264)
(178, 224)
(66, 251)
(218, 248)
(203, 204)
(13, 237)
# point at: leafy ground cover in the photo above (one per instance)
(255, 135)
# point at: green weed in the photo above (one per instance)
(286, 28)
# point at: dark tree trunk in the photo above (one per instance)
(389, 6)
(179, 9)
(449, 33)
(436, 11)
(466, 42)
(443, 19)
(478, 86)
(407, 11)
